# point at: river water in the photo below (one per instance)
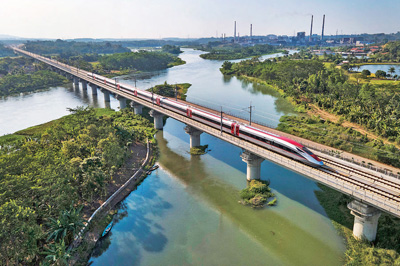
(187, 211)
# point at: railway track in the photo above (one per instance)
(364, 180)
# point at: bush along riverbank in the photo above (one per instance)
(384, 251)
(67, 167)
(257, 194)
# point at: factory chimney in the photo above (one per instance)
(234, 33)
(251, 32)
(310, 40)
(323, 27)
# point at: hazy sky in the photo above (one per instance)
(189, 18)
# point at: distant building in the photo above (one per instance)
(301, 35)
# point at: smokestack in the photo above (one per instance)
(234, 33)
(323, 27)
(251, 32)
(312, 17)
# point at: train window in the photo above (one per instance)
(299, 150)
(307, 150)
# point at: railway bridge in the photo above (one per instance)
(372, 191)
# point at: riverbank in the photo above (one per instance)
(128, 178)
(70, 166)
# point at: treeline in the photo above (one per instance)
(4, 51)
(229, 52)
(172, 49)
(46, 177)
(391, 52)
(142, 60)
(20, 74)
(377, 107)
(67, 49)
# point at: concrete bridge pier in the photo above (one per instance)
(84, 84)
(94, 89)
(194, 136)
(253, 165)
(106, 95)
(137, 108)
(365, 220)
(122, 102)
(76, 82)
(158, 119)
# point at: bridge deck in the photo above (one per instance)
(361, 183)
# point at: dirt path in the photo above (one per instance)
(335, 118)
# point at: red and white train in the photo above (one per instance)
(279, 144)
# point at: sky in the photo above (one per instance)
(66, 19)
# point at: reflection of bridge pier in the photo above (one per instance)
(158, 119)
(194, 136)
(253, 165)
(365, 220)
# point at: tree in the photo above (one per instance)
(66, 226)
(57, 254)
(391, 70)
(380, 74)
(365, 73)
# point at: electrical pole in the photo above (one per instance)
(176, 93)
(250, 110)
(221, 120)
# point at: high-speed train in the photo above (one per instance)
(279, 144)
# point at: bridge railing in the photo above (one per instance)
(309, 171)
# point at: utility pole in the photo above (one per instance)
(176, 93)
(250, 110)
(221, 120)
(135, 82)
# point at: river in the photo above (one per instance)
(187, 211)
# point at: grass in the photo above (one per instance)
(357, 78)
(385, 250)
(337, 136)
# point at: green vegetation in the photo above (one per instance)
(67, 49)
(229, 52)
(343, 138)
(168, 90)
(172, 49)
(142, 60)
(4, 51)
(309, 81)
(257, 194)
(385, 250)
(47, 176)
(200, 150)
(390, 53)
(22, 74)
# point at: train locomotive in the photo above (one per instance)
(271, 141)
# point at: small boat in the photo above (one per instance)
(154, 168)
(108, 229)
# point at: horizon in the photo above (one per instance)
(156, 19)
